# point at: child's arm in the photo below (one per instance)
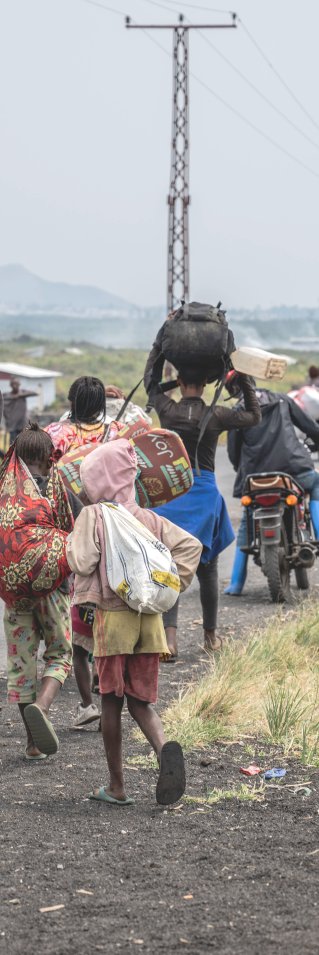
(83, 549)
(185, 550)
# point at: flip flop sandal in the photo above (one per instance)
(171, 781)
(168, 657)
(35, 759)
(41, 730)
(103, 796)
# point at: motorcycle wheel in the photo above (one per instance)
(278, 573)
(302, 579)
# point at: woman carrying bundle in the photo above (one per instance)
(202, 511)
(36, 518)
(85, 421)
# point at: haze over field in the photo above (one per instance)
(85, 113)
(58, 310)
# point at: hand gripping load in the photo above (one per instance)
(139, 567)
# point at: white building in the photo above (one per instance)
(31, 379)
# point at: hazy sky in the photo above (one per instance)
(85, 116)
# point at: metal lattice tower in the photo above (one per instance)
(179, 198)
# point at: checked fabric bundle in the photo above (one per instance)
(164, 469)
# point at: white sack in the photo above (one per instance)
(139, 567)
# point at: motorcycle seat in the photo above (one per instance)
(270, 481)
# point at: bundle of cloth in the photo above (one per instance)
(34, 530)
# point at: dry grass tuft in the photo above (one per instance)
(267, 686)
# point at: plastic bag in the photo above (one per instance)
(139, 567)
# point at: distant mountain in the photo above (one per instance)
(31, 305)
(21, 292)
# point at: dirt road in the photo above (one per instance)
(233, 877)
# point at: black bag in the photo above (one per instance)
(198, 337)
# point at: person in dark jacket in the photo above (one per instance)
(272, 445)
(15, 408)
(202, 511)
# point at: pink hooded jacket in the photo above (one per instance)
(108, 474)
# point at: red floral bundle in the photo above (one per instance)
(33, 533)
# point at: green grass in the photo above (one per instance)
(123, 367)
(243, 793)
(266, 687)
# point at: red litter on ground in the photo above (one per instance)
(251, 770)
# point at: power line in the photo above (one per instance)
(278, 75)
(240, 115)
(258, 91)
(163, 6)
(193, 6)
(95, 3)
(224, 102)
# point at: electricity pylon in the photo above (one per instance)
(179, 198)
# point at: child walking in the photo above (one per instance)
(35, 518)
(127, 645)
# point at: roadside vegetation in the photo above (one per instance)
(121, 367)
(266, 687)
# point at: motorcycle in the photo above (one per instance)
(279, 531)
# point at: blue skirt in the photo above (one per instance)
(202, 512)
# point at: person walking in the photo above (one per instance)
(84, 424)
(127, 644)
(15, 408)
(202, 511)
(272, 445)
(33, 501)
(85, 421)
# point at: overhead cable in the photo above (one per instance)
(108, 9)
(237, 113)
(258, 91)
(278, 75)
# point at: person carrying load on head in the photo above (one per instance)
(127, 643)
(202, 511)
(272, 445)
(36, 516)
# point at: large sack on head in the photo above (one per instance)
(164, 467)
(34, 530)
(139, 567)
(198, 337)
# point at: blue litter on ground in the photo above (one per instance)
(275, 773)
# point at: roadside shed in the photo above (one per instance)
(41, 380)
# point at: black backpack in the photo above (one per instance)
(198, 336)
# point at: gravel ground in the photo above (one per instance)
(233, 877)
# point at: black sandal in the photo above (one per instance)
(171, 781)
(95, 684)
